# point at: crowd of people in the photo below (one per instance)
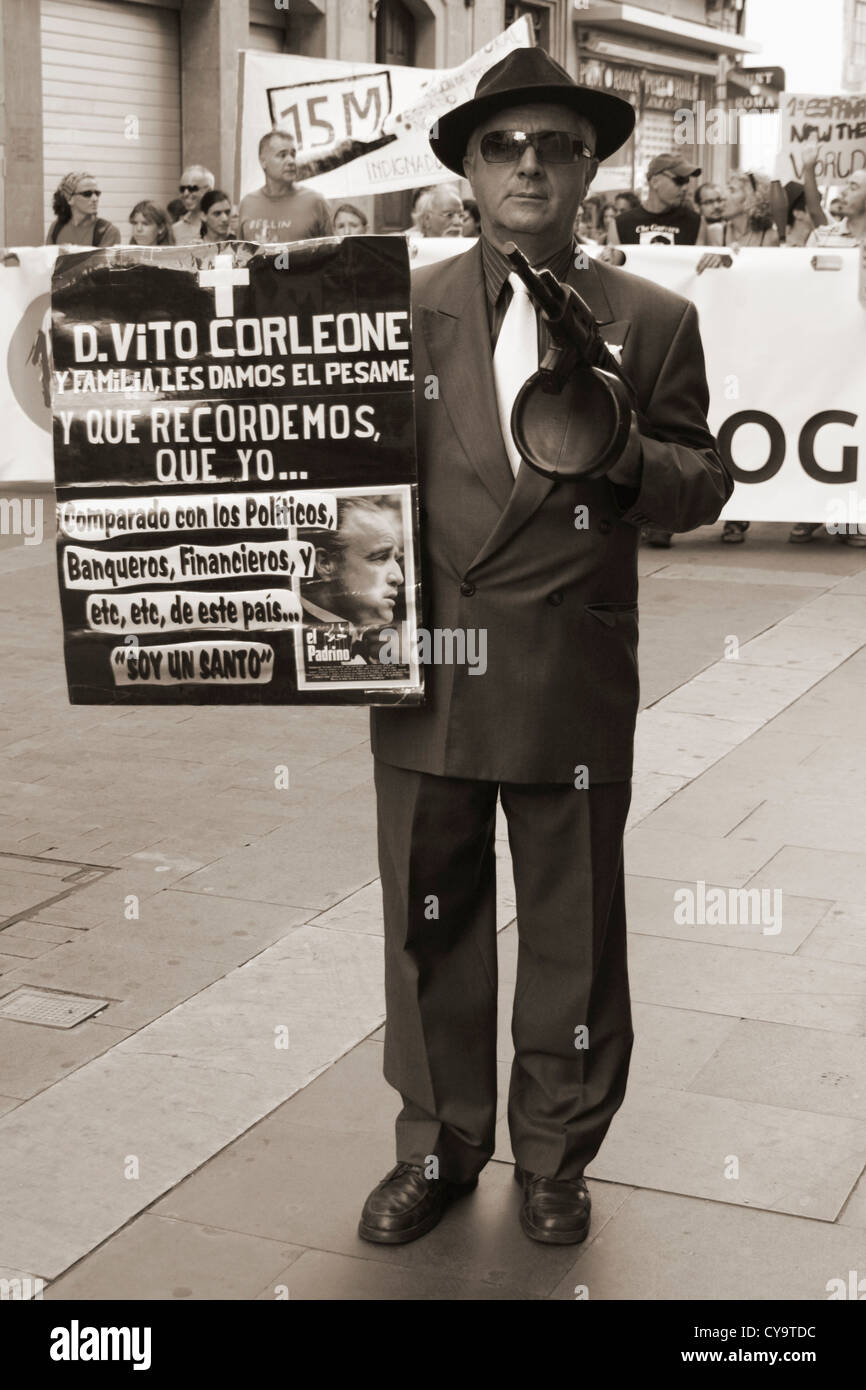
(751, 210)
(676, 210)
(281, 210)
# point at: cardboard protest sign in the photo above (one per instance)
(235, 466)
(837, 122)
(360, 128)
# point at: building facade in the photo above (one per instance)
(132, 90)
(854, 47)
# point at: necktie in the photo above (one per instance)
(515, 359)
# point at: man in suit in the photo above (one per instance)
(549, 570)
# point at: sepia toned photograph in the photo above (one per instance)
(433, 632)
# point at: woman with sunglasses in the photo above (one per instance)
(76, 208)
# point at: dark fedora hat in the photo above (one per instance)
(530, 74)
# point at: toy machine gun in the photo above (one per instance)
(571, 418)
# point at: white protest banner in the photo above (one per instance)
(785, 346)
(360, 128)
(25, 401)
(837, 122)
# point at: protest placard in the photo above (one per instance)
(235, 467)
(837, 122)
(360, 128)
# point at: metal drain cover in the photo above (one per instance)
(52, 1010)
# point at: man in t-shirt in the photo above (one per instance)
(663, 219)
(282, 211)
(850, 230)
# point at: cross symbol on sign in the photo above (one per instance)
(223, 279)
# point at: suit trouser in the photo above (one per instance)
(571, 1021)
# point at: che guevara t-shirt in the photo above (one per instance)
(674, 227)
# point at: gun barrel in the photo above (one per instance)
(538, 287)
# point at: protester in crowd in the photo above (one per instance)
(150, 225)
(663, 218)
(471, 218)
(216, 212)
(76, 207)
(626, 201)
(798, 224)
(584, 227)
(747, 217)
(349, 220)
(194, 183)
(836, 207)
(608, 219)
(850, 229)
(709, 201)
(591, 208)
(282, 210)
(413, 229)
(440, 212)
(558, 609)
(176, 209)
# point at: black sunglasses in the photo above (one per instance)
(679, 179)
(190, 187)
(550, 146)
(91, 193)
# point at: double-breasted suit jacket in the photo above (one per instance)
(554, 586)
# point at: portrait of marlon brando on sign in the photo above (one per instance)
(359, 605)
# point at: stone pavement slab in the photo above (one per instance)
(286, 866)
(798, 990)
(652, 905)
(672, 854)
(320, 1274)
(34, 1058)
(661, 1246)
(840, 935)
(680, 1141)
(158, 1258)
(176, 1092)
(813, 873)
(771, 1064)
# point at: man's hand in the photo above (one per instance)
(627, 470)
(809, 153)
(713, 260)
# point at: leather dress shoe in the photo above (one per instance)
(406, 1205)
(555, 1211)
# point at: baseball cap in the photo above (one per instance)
(671, 163)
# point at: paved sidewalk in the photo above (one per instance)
(213, 1131)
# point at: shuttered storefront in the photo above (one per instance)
(111, 100)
